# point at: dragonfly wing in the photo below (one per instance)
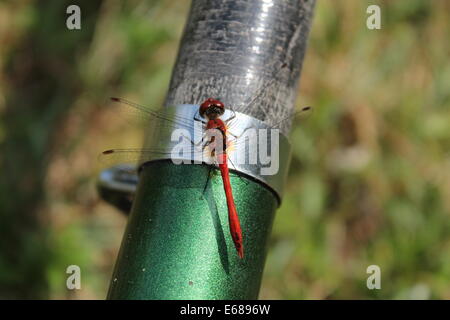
(128, 156)
(245, 138)
(299, 115)
(143, 115)
(136, 157)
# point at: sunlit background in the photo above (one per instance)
(369, 181)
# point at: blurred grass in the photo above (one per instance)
(369, 182)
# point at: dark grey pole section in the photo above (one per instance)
(177, 244)
(231, 48)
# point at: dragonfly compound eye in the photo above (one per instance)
(211, 107)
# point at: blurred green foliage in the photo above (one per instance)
(370, 176)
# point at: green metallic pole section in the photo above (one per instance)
(177, 243)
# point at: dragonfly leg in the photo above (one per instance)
(207, 143)
(192, 142)
(207, 181)
(231, 133)
(232, 117)
(238, 136)
(243, 180)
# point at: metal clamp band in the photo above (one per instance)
(259, 151)
(256, 149)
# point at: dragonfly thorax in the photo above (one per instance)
(211, 109)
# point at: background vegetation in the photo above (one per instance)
(369, 182)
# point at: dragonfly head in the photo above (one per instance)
(211, 108)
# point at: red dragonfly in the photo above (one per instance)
(211, 109)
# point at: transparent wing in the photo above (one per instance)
(143, 115)
(138, 156)
(299, 115)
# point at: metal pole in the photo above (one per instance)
(177, 244)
